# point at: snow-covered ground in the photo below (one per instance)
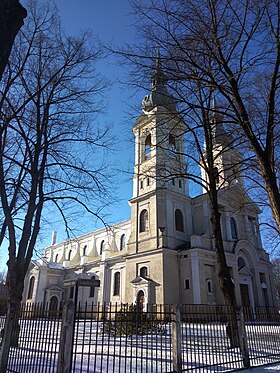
(265, 369)
(205, 348)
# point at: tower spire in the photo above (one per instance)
(158, 78)
(159, 95)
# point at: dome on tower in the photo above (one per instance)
(159, 95)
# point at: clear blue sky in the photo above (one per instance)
(110, 21)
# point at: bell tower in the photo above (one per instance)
(228, 160)
(160, 190)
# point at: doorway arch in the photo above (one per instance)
(140, 300)
(53, 306)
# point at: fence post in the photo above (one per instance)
(176, 339)
(243, 337)
(65, 353)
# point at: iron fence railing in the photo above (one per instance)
(37, 344)
(118, 338)
(123, 338)
(205, 340)
(263, 334)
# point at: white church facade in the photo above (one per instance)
(165, 254)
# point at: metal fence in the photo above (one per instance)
(263, 335)
(121, 338)
(118, 338)
(38, 340)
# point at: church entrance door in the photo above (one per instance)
(53, 306)
(244, 290)
(140, 300)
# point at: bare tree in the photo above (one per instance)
(12, 14)
(234, 45)
(51, 147)
(230, 48)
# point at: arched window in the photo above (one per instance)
(143, 221)
(53, 306)
(148, 145)
(253, 221)
(69, 255)
(92, 289)
(172, 143)
(187, 283)
(216, 175)
(233, 229)
(179, 221)
(140, 300)
(117, 283)
(102, 247)
(143, 271)
(56, 258)
(85, 250)
(31, 287)
(122, 242)
(241, 263)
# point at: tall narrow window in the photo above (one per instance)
(117, 283)
(85, 250)
(179, 221)
(233, 229)
(187, 283)
(102, 246)
(31, 287)
(143, 221)
(148, 144)
(69, 255)
(56, 258)
(209, 286)
(172, 143)
(253, 224)
(92, 289)
(71, 292)
(122, 242)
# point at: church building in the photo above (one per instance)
(165, 253)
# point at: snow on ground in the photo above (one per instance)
(205, 348)
(265, 369)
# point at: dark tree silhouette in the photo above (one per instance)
(12, 14)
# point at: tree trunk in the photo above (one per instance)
(226, 284)
(272, 188)
(15, 283)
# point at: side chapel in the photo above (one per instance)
(165, 254)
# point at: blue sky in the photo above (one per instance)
(111, 22)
